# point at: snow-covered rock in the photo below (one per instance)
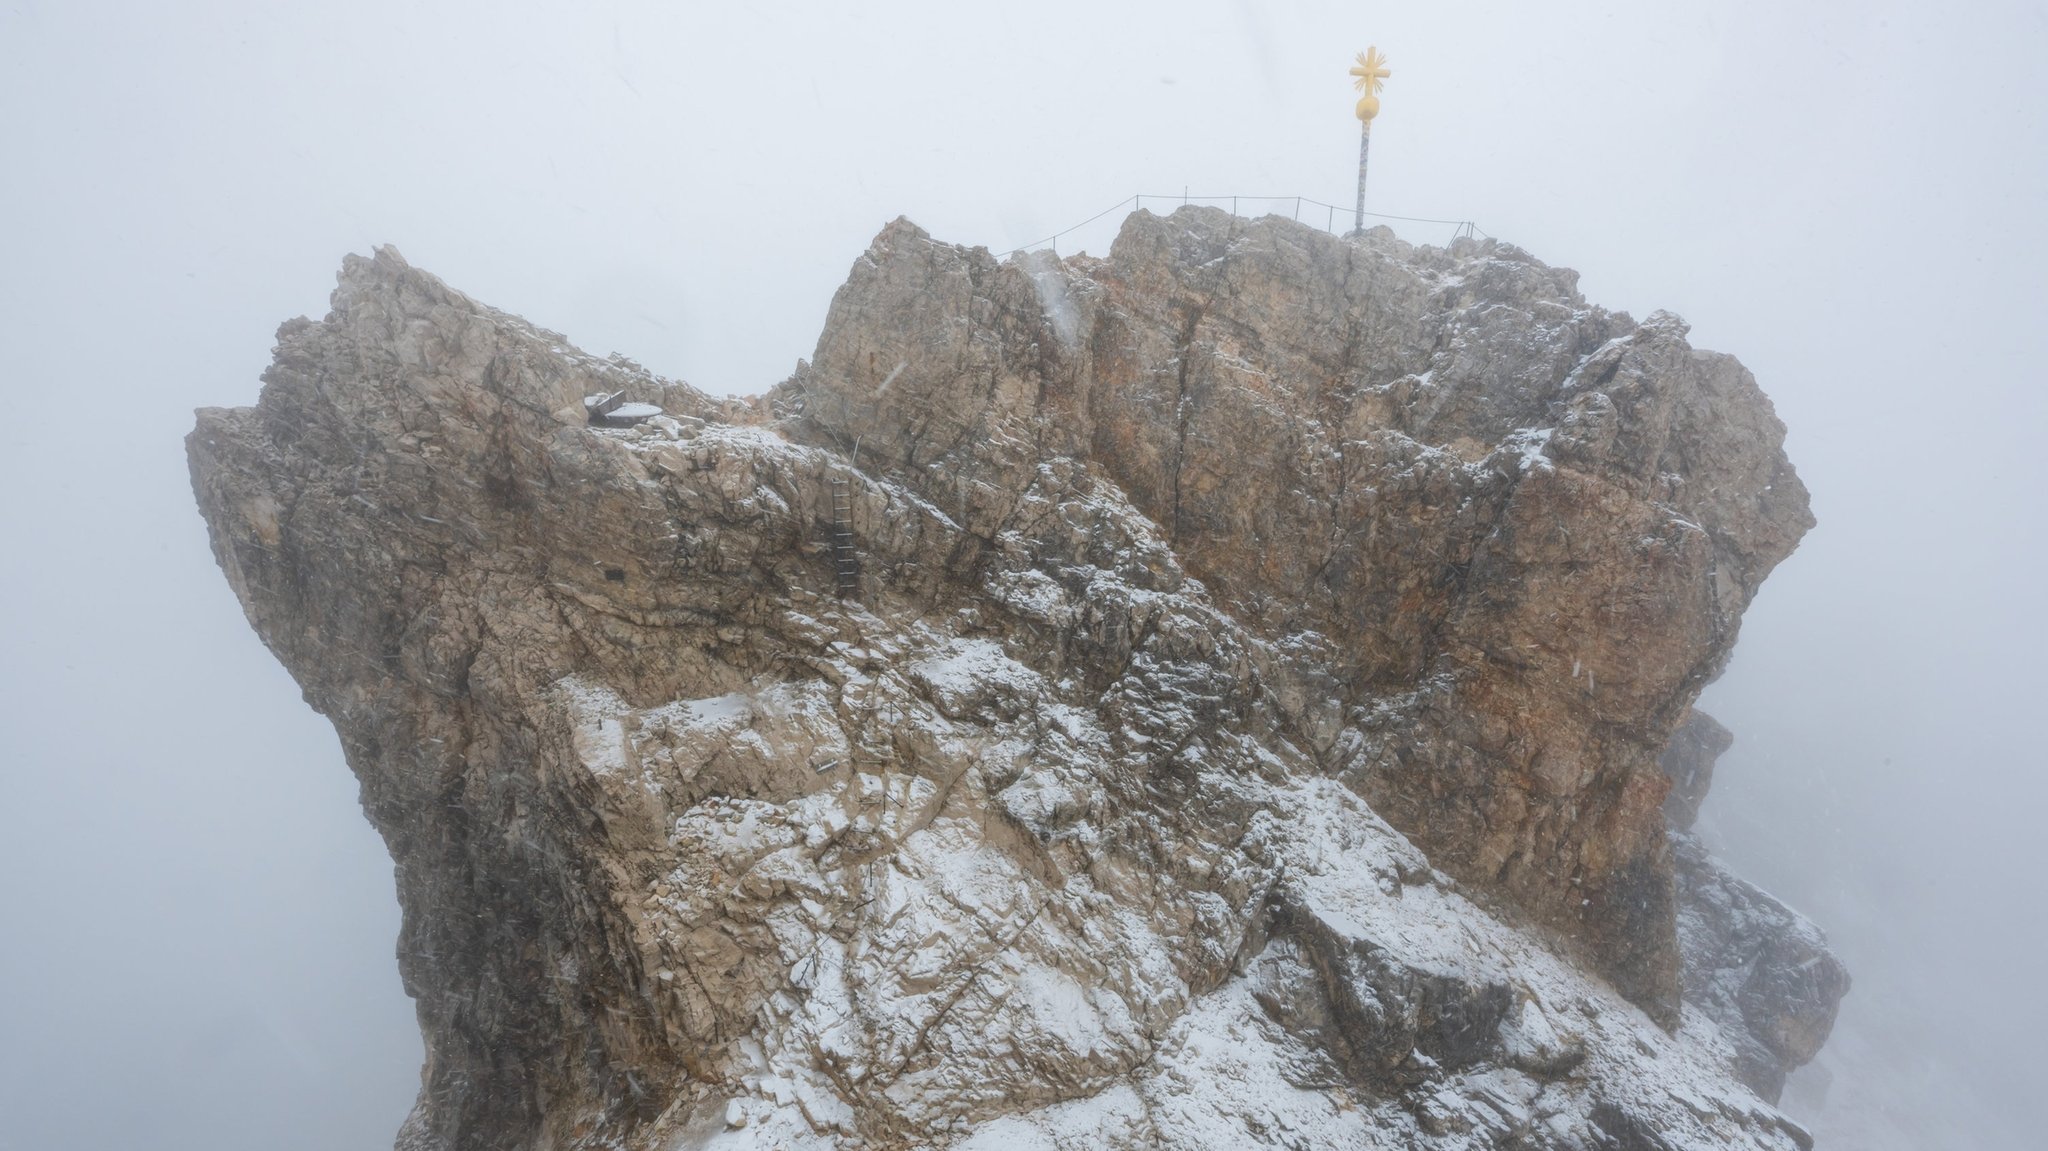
(1244, 733)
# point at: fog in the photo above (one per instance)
(196, 922)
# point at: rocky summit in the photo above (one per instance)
(1231, 693)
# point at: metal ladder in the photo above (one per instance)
(845, 560)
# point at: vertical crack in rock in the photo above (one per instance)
(1248, 731)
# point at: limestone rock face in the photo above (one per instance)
(1757, 968)
(1689, 760)
(1515, 532)
(1245, 728)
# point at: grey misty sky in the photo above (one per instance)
(196, 924)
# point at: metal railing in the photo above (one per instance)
(1337, 220)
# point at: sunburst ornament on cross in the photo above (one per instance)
(1370, 72)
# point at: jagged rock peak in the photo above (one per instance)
(1211, 693)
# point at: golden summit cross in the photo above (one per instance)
(1371, 72)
